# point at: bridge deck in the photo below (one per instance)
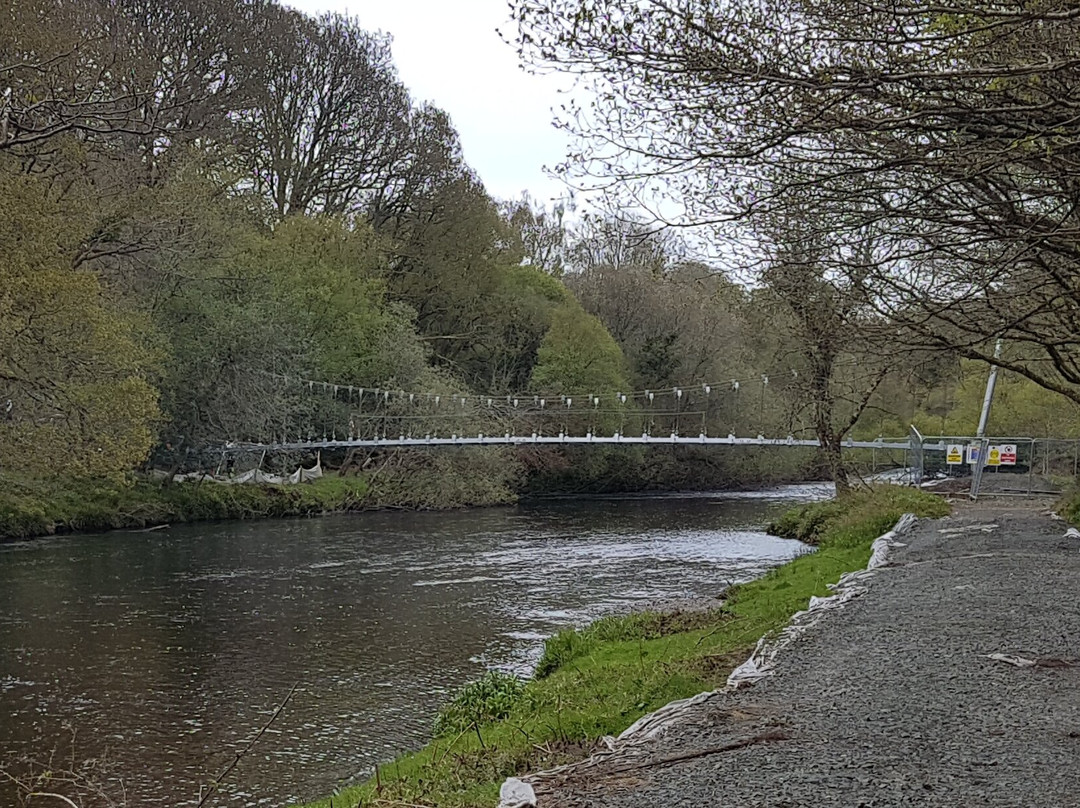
(526, 440)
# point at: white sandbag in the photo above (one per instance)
(1013, 659)
(516, 793)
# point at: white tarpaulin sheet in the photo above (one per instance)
(257, 477)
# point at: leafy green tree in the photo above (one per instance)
(305, 301)
(74, 395)
(578, 356)
(451, 260)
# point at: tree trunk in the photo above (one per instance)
(828, 436)
(832, 452)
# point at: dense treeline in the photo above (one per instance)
(200, 199)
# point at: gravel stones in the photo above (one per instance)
(894, 700)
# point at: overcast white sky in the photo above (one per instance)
(448, 52)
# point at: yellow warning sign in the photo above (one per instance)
(955, 455)
(993, 456)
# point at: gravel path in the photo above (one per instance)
(892, 700)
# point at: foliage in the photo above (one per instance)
(677, 323)
(487, 699)
(1020, 407)
(610, 674)
(39, 508)
(1069, 507)
(578, 356)
(834, 519)
(192, 219)
(441, 479)
(938, 159)
(74, 391)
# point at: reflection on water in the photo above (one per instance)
(166, 651)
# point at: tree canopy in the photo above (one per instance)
(944, 134)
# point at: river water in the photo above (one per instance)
(162, 653)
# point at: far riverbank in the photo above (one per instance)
(30, 508)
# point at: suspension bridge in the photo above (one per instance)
(325, 415)
(589, 438)
(305, 416)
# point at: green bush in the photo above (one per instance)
(1069, 507)
(489, 698)
(875, 508)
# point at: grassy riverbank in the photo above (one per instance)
(598, 680)
(39, 509)
(44, 507)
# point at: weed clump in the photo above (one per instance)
(850, 518)
(1069, 507)
(488, 699)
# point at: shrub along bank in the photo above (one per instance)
(38, 509)
(30, 509)
(864, 511)
(598, 680)
(1069, 507)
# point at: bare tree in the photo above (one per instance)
(331, 127)
(57, 73)
(949, 129)
(131, 71)
(541, 231)
(835, 345)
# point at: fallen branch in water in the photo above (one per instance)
(85, 781)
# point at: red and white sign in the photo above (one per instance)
(1008, 454)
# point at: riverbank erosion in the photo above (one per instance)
(952, 682)
(596, 681)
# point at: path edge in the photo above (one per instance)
(518, 792)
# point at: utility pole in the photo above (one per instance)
(980, 433)
(989, 397)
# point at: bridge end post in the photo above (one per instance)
(915, 456)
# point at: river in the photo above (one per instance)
(162, 653)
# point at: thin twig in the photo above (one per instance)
(765, 737)
(54, 796)
(240, 755)
(451, 746)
